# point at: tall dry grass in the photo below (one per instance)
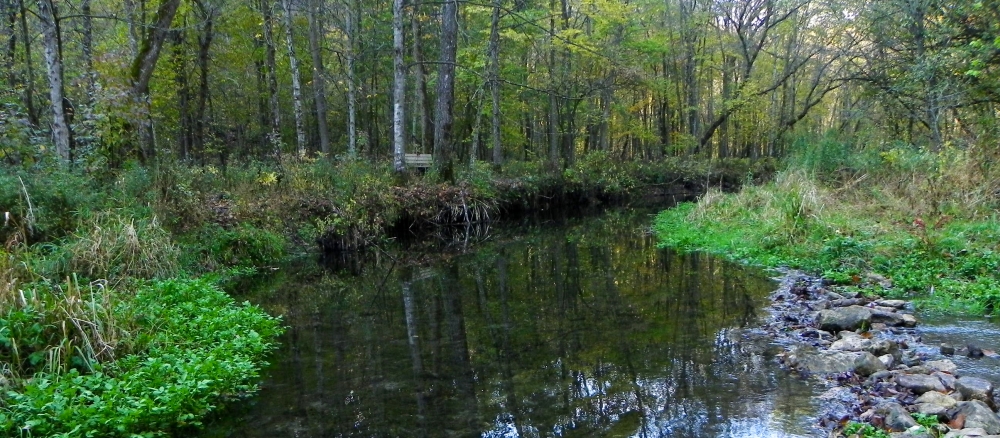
(112, 246)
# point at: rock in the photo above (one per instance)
(879, 376)
(846, 302)
(837, 403)
(888, 360)
(947, 350)
(974, 352)
(916, 432)
(909, 321)
(853, 342)
(946, 379)
(896, 417)
(943, 365)
(919, 383)
(896, 304)
(889, 318)
(910, 359)
(975, 432)
(831, 295)
(976, 414)
(934, 403)
(862, 363)
(872, 277)
(974, 388)
(845, 318)
(932, 409)
(937, 398)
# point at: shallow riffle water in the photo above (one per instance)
(961, 331)
(569, 327)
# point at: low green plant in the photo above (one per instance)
(195, 348)
(863, 430)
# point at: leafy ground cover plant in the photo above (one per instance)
(193, 348)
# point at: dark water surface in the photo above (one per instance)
(580, 327)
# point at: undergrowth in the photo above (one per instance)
(192, 347)
(909, 216)
(104, 333)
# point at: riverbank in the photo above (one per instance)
(924, 235)
(880, 377)
(81, 249)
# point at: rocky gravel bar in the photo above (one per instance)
(866, 350)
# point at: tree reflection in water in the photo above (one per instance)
(577, 329)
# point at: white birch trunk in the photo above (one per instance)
(398, 88)
(300, 131)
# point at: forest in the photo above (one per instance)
(156, 153)
(99, 84)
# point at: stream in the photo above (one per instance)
(542, 328)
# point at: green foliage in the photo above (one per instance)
(944, 261)
(243, 245)
(863, 430)
(197, 348)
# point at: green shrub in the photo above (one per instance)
(243, 245)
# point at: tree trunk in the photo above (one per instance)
(422, 100)
(53, 62)
(445, 106)
(9, 16)
(270, 53)
(352, 87)
(207, 14)
(88, 55)
(300, 130)
(142, 68)
(494, 77)
(29, 72)
(186, 128)
(398, 88)
(319, 73)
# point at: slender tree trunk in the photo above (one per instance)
(9, 16)
(422, 100)
(88, 55)
(53, 62)
(183, 94)
(494, 77)
(29, 69)
(398, 88)
(319, 73)
(207, 15)
(142, 68)
(352, 87)
(270, 55)
(293, 60)
(445, 106)
(476, 133)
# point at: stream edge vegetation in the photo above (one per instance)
(115, 318)
(892, 220)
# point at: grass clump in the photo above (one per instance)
(915, 225)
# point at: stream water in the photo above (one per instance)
(569, 327)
